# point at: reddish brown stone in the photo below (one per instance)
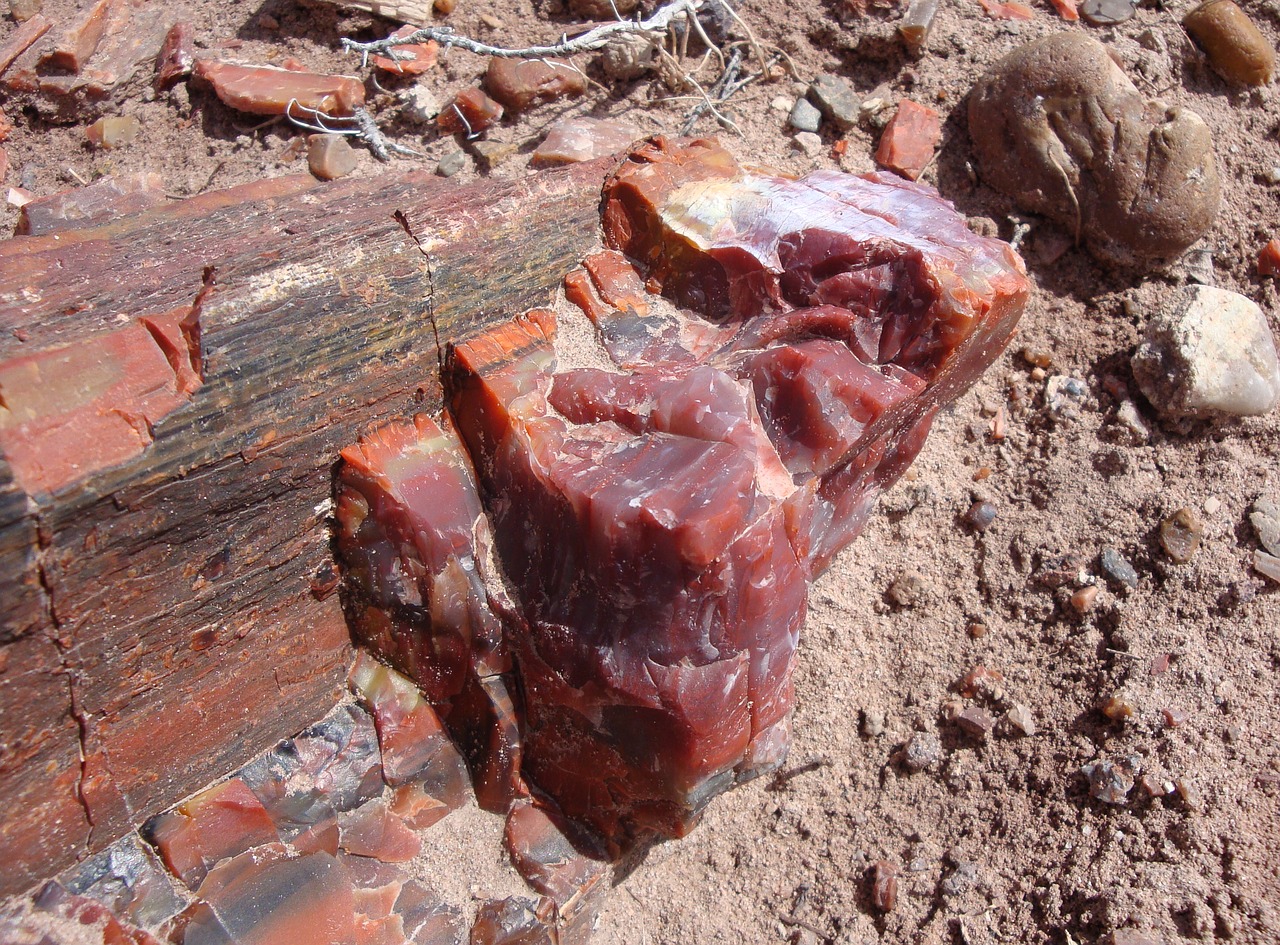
(571, 140)
(413, 740)
(1011, 10)
(515, 921)
(269, 897)
(543, 854)
(411, 58)
(223, 821)
(177, 55)
(470, 113)
(73, 46)
(1269, 259)
(520, 84)
(267, 90)
(910, 139)
(374, 830)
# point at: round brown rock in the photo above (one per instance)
(1057, 126)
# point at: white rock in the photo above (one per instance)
(1265, 518)
(420, 103)
(808, 142)
(1209, 352)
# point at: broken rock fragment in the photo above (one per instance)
(470, 113)
(1208, 353)
(268, 90)
(101, 201)
(1058, 127)
(910, 139)
(520, 84)
(572, 140)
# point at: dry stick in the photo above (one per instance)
(590, 41)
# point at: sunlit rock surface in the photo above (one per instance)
(781, 347)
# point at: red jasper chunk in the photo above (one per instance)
(910, 139)
(267, 90)
(223, 821)
(1269, 259)
(519, 84)
(470, 113)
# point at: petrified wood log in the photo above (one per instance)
(655, 526)
(175, 388)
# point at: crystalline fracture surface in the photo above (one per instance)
(782, 347)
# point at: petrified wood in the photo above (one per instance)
(655, 526)
(176, 387)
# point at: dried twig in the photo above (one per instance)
(590, 41)
(361, 126)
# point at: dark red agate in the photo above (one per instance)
(781, 347)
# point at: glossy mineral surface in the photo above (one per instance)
(780, 348)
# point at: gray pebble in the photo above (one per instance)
(837, 99)
(1115, 567)
(924, 750)
(1107, 12)
(805, 116)
(1264, 516)
(451, 163)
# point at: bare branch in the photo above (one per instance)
(590, 41)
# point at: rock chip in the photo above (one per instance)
(520, 84)
(1111, 781)
(451, 162)
(628, 56)
(1117, 568)
(910, 139)
(805, 116)
(1264, 516)
(1057, 126)
(571, 140)
(1180, 535)
(924, 750)
(1107, 12)
(113, 131)
(471, 112)
(835, 96)
(330, 156)
(1209, 353)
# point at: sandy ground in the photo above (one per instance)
(998, 840)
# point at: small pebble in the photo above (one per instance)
(1180, 535)
(1211, 505)
(836, 98)
(330, 156)
(1160, 664)
(805, 116)
(491, 21)
(444, 7)
(1198, 265)
(873, 722)
(1037, 357)
(923, 750)
(420, 104)
(1264, 516)
(1107, 12)
(1236, 48)
(1129, 419)
(1174, 717)
(1082, 601)
(907, 590)
(1269, 259)
(113, 131)
(451, 163)
(980, 515)
(491, 154)
(981, 681)
(1020, 718)
(1117, 568)
(884, 885)
(976, 722)
(23, 10)
(1110, 781)
(808, 142)
(977, 630)
(1119, 707)
(628, 56)
(1268, 565)
(1065, 396)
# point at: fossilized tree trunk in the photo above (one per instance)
(174, 389)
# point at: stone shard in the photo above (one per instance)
(129, 880)
(571, 140)
(223, 821)
(539, 844)
(79, 40)
(268, 90)
(470, 113)
(515, 921)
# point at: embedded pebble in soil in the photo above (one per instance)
(805, 116)
(1264, 516)
(924, 750)
(330, 156)
(836, 98)
(1111, 781)
(1057, 126)
(1180, 535)
(1236, 48)
(1117, 568)
(1208, 353)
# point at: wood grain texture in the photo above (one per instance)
(165, 614)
